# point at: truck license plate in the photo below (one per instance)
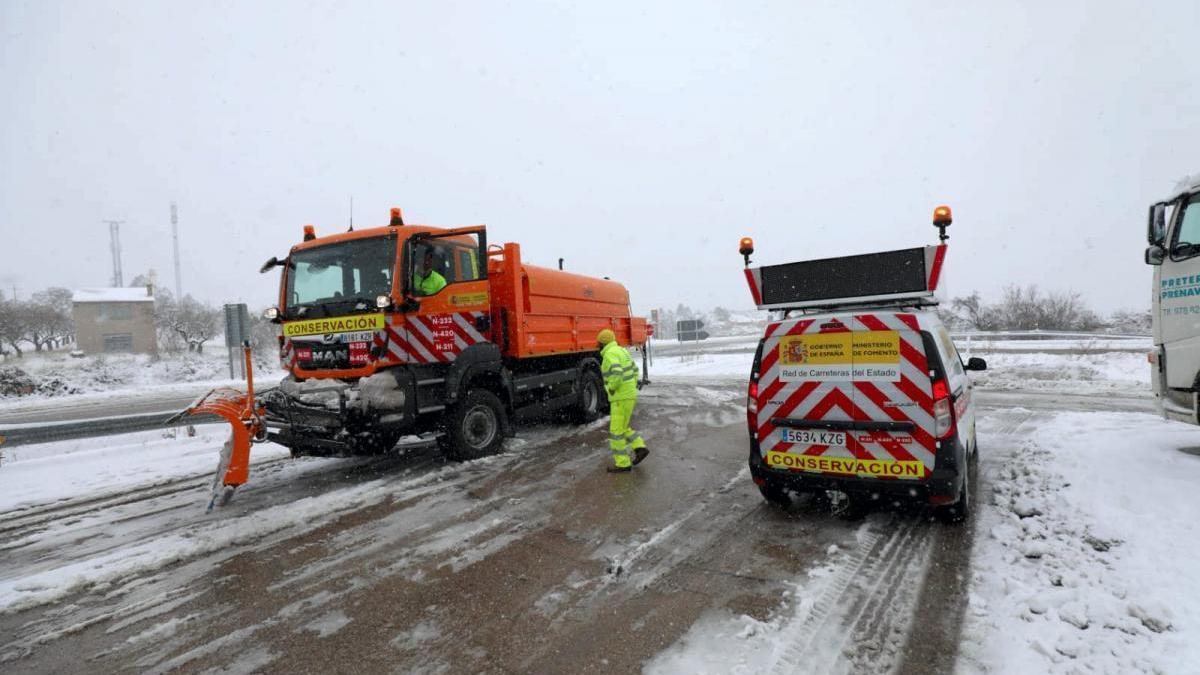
(834, 439)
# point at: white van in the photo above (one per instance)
(856, 387)
(1174, 236)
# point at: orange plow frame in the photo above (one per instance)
(245, 418)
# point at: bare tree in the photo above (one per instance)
(1131, 322)
(1025, 308)
(195, 322)
(13, 325)
(50, 322)
(165, 310)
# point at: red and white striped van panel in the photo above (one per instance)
(907, 400)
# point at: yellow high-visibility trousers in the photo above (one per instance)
(622, 439)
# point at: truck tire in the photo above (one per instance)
(474, 427)
(590, 404)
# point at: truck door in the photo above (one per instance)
(1177, 296)
(453, 310)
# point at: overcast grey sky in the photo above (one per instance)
(636, 140)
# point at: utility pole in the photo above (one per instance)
(175, 239)
(114, 235)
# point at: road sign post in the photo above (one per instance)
(237, 329)
(689, 330)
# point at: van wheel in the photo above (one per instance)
(775, 494)
(960, 510)
(591, 397)
(474, 427)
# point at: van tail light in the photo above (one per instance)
(752, 406)
(943, 410)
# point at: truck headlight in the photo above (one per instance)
(383, 301)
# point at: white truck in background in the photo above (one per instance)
(1173, 232)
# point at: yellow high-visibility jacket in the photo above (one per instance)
(619, 371)
(430, 284)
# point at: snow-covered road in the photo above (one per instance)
(536, 560)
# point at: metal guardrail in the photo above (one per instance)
(1043, 335)
(109, 426)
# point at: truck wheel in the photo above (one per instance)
(591, 397)
(474, 427)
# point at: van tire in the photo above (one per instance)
(590, 403)
(960, 510)
(474, 427)
(775, 494)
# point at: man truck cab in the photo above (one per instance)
(1173, 233)
(857, 387)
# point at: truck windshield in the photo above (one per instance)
(340, 278)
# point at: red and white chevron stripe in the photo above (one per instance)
(433, 338)
(907, 400)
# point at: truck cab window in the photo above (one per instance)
(1186, 242)
(440, 262)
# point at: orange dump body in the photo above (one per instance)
(538, 311)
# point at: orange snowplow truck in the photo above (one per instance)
(411, 329)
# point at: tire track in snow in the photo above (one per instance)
(854, 603)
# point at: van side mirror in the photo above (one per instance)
(1156, 225)
(975, 363)
(1155, 255)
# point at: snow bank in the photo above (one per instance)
(1086, 559)
(1076, 373)
(85, 468)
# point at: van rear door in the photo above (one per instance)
(848, 395)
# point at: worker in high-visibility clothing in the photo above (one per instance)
(620, 381)
(426, 280)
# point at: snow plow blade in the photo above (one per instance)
(245, 417)
(246, 424)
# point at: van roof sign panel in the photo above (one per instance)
(908, 275)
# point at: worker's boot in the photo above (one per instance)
(640, 454)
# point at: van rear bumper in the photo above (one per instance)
(943, 482)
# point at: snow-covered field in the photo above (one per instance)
(89, 468)
(58, 374)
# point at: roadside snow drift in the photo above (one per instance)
(1085, 559)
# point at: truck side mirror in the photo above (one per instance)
(975, 363)
(1156, 226)
(1155, 255)
(275, 262)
